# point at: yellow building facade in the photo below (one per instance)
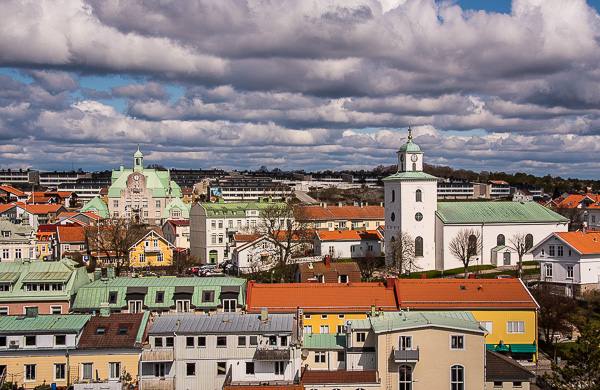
(151, 251)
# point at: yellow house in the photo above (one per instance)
(109, 349)
(153, 250)
(503, 306)
(36, 349)
(43, 245)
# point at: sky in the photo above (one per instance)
(492, 85)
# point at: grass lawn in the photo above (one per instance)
(561, 349)
(449, 272)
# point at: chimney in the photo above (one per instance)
(122, 167)
(110, 272)
(264, 314)
(372, 311)
(327, 261)
(97, 274)
(471, 276)
(389, 283)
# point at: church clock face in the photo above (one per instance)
(414, 157)
(136, 177)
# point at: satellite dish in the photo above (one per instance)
(304, 354)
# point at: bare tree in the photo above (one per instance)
(401, 251)
(520, 243)
(368, 264)
(113, 239)
(575, 216)
(465, 245)
(288, 228)
(556, 312)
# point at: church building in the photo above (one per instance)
(411, 207)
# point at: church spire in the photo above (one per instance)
(409, 133)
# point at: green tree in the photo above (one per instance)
(582, 370)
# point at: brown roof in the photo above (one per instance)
(502, 368)
(112, 337)
(344, 212)
(323, 377)
(320, 268)
(71, 233)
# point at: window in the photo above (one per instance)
(560, 251)
(100, 330)
(86, 370)
(30, 372)
(241, 341)
(190, 369)
(189, 342)
(30, 341)
(112, 296)
(331, 250)
(307, 329)
(114, 370)
(135, 306)
(158, 342)
(6, 253)
(158, 203)
(283, 341)
(249, 368)
(515, 326)
(457, 342)
(279, 368)
(343, 278)
(360, 337)
(160, 297)
(457, 377)
(404, 377)
(160, 369)
(229, 305)
(18, 254)
(213, 239)
(517, 384)
(115, 203)
(419, 246)
(500, 240)
(393, 196)
(221, 368)
(324, 329)
(341, 329)
(548, 267)
(528, 242)
(208, 295)
(201, 341)
(324, 316)
(498, 384)
(221, 341)
(60, 372)
(488, 325)
(3, 310)
(320, 356)
(551, 250)
(60, 339)
(419, 196)
(3, 341)
(160, 257)
(183, 306)
(169, 341)
(142, 257)
(405, 343)
(55, 309)
(253, 340)
(272, 340)
(570, 271)
(6, 233)
(123, 330)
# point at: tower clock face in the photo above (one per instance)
(136, 177)
(414, 157)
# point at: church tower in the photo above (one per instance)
(138, 161)
(410, 205)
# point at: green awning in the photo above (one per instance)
(497, 347)
(523, 348)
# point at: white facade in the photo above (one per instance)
(348, 247)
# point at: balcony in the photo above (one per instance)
(154, 383)
(272, 354)
(406, 355)
(158, 355)
(152, 249)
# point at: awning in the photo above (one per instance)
(137, 290)
(497, 347)
(230, 289)
(184, 289)
(523, 348)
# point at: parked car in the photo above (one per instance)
(209, 266)
(505, 277)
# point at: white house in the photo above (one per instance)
(347, 243)
(570, 261)
(253, 252)
(411, 206)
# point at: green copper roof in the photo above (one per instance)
(410, 147)
(49, 323)
(324, 341)
(390, 321)
(138, 153)
(97, 205)
(411, 176)
(496, 212)
(157, 181)
(177, 204)
(63, 271)
(92, 295)
(236, 209)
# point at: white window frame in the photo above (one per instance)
(548, 270)
(307, 329)
(570, 271)
(136, 305)
(83, 366)
(64, 372)
(53, 308)
(459, 385)
(458, 336)
(2, 309)
(229, 305)
(515, 327)
(324, 329)
(26, 376)
(320, 357)
(488, 325)
(111, 370)
(184, 305)
(405, 342)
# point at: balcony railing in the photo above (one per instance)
(152, 249)
(406, 355)
(158, 355)
(154, 383)
(272, 354)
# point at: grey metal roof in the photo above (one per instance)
(222, 323)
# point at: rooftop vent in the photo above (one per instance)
(463, 287)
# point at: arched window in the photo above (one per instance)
(472, 245)
(457, 377)
(419, 196)
(404, 377)
(528, 242)
(393, 196)
(419, 246)
(393, 217)
(414, 167)
(500, 240)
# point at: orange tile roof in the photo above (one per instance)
(584, 243)
(320, 297)
(245, 237)
(71, 233)
(12, 190)
(327, 377)
(344, 212)
(464, 294)
(573, 200)
(337, 235)
(41, 208)
(5, 207)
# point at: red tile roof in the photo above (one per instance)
(344, 212)
(112, 337)
(71, 233)
(324, 377)
(464, 294)
(12, 190)
(180, 222)
(584, 243)
(319, 297)
(245, 237)
(5, 207)
(349, 235)
(41, 208)
(573, 200)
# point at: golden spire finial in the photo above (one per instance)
(409, 133)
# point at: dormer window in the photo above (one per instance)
(6, 233)
(100, 330)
